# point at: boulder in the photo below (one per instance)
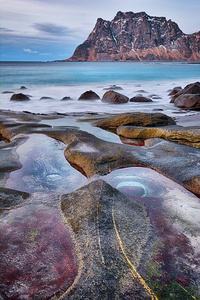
(23, 87)
(191, 101)
(135, 119)
(175, 90)
(89, 95)
(19, 97)
(114, 97)
(192, 88)
(66, 98)
(140, 99)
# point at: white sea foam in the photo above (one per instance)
(57, 80)
(130, 89)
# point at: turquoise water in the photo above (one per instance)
(33, 73)
(61, 79)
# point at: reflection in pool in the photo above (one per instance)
(37, 257)
(174, 213)
(45, 168)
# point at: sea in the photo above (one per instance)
(55, 80)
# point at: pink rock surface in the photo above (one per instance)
(37, 257)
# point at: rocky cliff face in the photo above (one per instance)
(138, 37)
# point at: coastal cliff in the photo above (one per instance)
(138, 37)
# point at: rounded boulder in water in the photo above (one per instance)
(19, 97)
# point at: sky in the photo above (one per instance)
(46, 30)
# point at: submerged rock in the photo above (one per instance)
(114, 97)
(113, 87)
(7, 92)
(140, 99)
(89, 95)
(66, 98)
(46, 98)
(141, 91)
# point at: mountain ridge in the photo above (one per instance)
(138, 37)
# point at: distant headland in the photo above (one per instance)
(138, 37)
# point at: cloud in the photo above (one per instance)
(45, 54)
(3, 29)
(30, 51)
(52, 29)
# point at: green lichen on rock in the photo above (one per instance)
(31, 237)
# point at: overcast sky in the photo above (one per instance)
(51, 29)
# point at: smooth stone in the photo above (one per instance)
(140, 99)
(192, 88)
(107, 227)
(114, 97)
(19, 97)
(66, 98)
(135, 119)
(89, 95)
(11, 129)
(191, 101)
(175, 90)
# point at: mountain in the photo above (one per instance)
(138, 37)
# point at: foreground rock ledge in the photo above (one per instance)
(134, 119)
(184, 135)
(107, 272)
(91, 156)
(123, 244)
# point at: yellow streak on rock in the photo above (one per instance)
(187, 292)
(136, 275)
